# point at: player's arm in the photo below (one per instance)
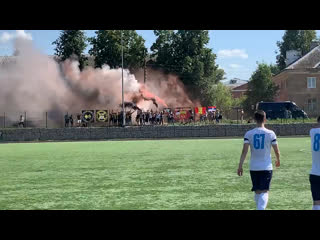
(277, 153)
(243, 157)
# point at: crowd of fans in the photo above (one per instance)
(214, 116)
(148, 117)
(142, 118)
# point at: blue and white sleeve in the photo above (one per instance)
(274, 139)
(246, 138)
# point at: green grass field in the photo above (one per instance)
(149, 174)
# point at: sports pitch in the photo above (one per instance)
(148, 174)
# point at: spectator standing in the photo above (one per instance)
(111, 117)
(130, 118)
(217, 116)
(191, 116)
(153, 117)
(241, 115)
(177, 115)
(150, 116)
(21, 121)
(79, 120)
(161, 117)
(115, 119)
(127, 120)
(220, 117)
(147, 118)
(172, 117)
(71, 120)
(210, 116)
(138, 117)
(158, 118)
(141, 118)
(66, 120)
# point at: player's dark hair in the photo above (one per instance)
(318, 119)
(259, 116)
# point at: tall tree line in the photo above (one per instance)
(181, 52)
(185, 53)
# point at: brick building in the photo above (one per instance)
(239, 91)
(299, 82)
(238, 87)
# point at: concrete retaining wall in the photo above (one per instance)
(146, 132)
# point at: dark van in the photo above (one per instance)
(276, 110)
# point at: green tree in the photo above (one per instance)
(299, 40)
(219, 95)
(163, 50)
(184, 53)
(260, 87)
(239, 102)
(274, 69)
(106, 48)
(71, 43)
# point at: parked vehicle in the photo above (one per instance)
(276, 110)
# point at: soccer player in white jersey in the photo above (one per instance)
(260, 141)
(314, 177)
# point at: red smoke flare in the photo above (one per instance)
(150, 96)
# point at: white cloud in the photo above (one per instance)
(6, 37)
(23, 34)
(234, 66)
(233, 53)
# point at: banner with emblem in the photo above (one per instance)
(182, 113)
(88, 115)
(102, 115)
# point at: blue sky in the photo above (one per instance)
(238, 51)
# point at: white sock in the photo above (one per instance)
(263, 201)
(256, 198)
(316, 207)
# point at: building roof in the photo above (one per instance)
(233, 83)
(309, 60)
(240, 88)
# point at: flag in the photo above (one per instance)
(88, 115)
(212, 109)
(200, 110)
(102, 115)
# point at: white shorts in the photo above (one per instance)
(79, 121)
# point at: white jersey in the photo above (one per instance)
(315, 149)
(260, 140)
